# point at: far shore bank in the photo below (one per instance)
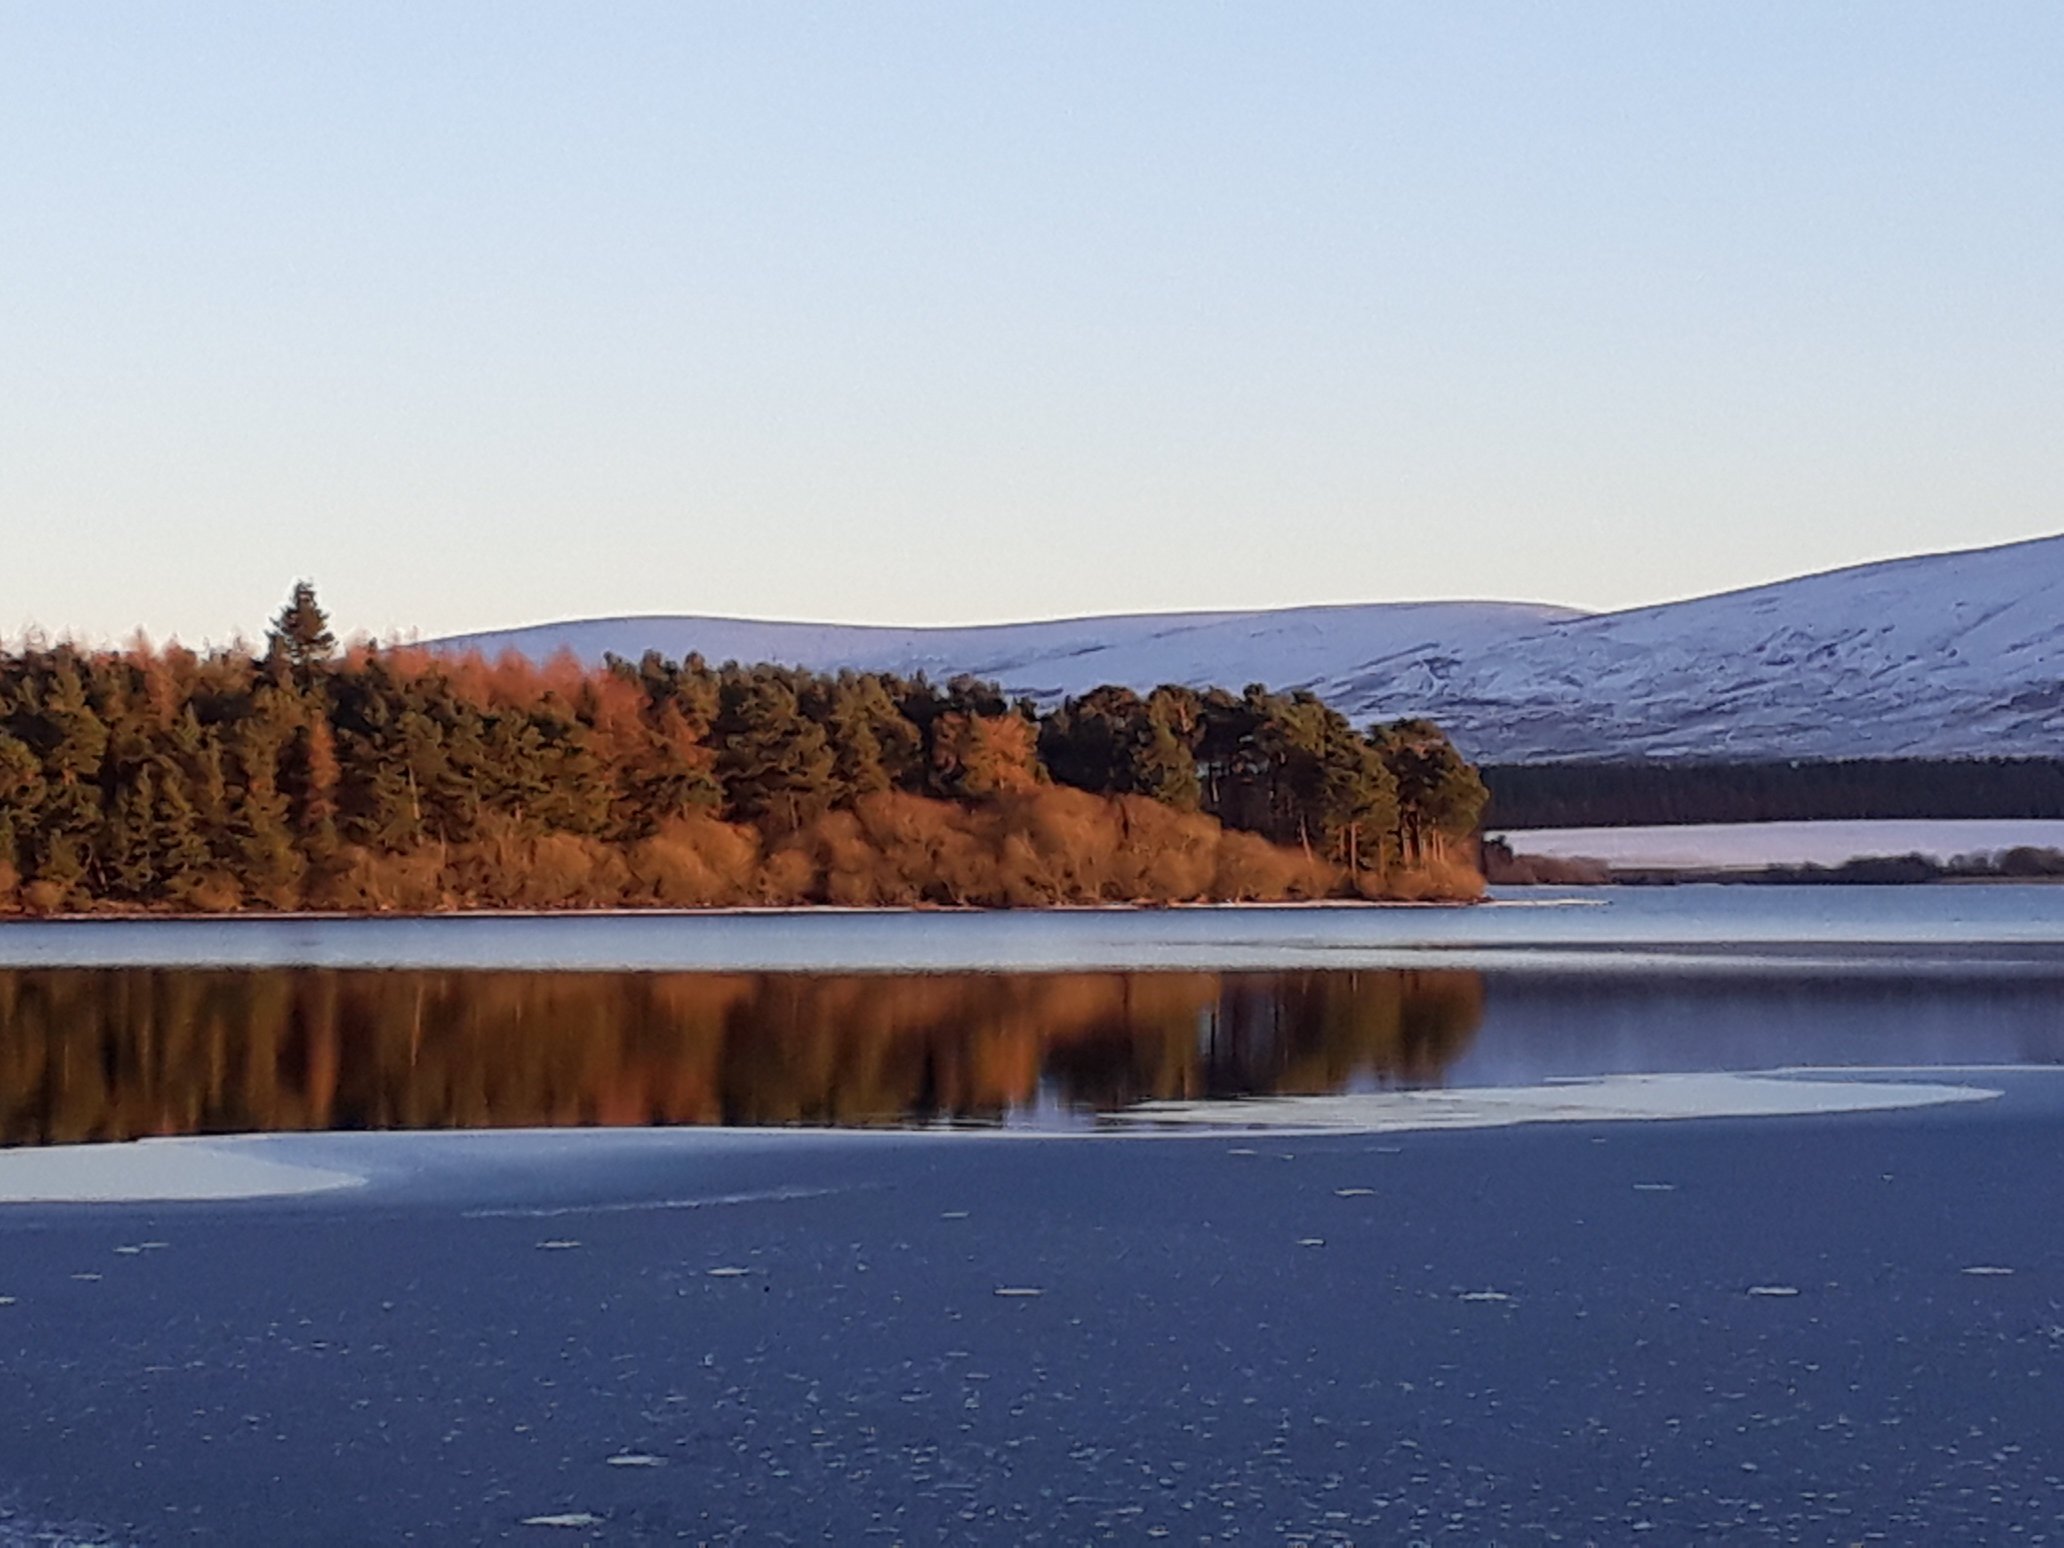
(738, 911)
(1614, 928)
(1858, 852)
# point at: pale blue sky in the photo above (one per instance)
(486, 313)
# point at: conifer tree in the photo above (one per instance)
(300, 640)
(21, 797)
(1440, 796)
(776, 766)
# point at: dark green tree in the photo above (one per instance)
(300, 642)
(777, 766)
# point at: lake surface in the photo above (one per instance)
(1803, 1328)
(460, 1023)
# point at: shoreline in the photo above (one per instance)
(735, 911)
(1801, 929)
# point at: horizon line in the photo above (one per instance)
(413, 636)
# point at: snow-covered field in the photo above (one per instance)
(1943, 655)
(1753, 844)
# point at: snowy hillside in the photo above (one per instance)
(1291, 648)
(1948, 655)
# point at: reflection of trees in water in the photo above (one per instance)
(112, 1054)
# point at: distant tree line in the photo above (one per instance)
(1603, 795)
(2019, 863)
(402, 779)
(2022, 863)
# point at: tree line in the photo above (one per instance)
(1640, 794)
(299, 776)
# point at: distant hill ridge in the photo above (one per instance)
(1940, 655)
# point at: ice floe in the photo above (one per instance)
(215, 1168)
(1609, 1099)
(644, 1206)
(157, 1171)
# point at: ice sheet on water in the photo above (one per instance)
(157, 1170)
(1619, 1098)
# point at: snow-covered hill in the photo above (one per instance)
(1943, 655)
(1956, 654)
(1303, 647)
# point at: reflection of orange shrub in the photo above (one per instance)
(113, 1055)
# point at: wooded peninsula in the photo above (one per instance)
(378, 779)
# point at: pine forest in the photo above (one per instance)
(302, 776)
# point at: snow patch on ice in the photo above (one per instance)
(157, 1171)
(1617, 1098)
